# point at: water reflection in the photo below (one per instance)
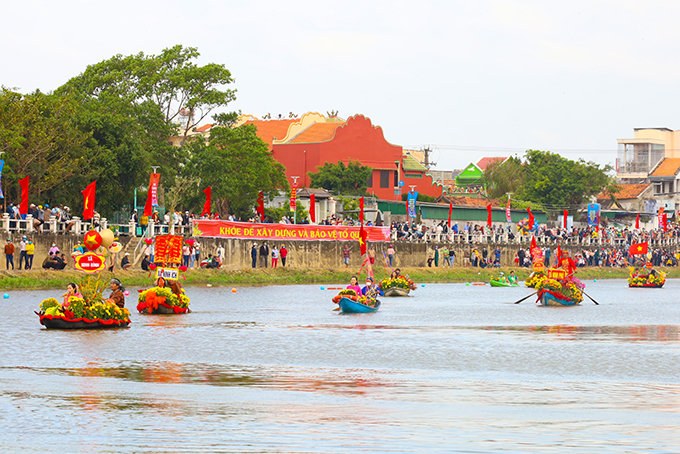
(641, 333)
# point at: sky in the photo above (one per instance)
(466, 78)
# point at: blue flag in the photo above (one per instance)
(412, 197)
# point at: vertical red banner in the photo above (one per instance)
(152, 196)
(23, 207)
(450, 211)
(293, 197)
(507, 212)
(531, 219)
(312, 208)
(208, 201)
(88, 200)
(661, 217)
(637, 221)
(260, 204)
(565, 214)
(488, 216)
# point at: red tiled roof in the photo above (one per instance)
(204, 128)
(318, 132)
(469, 201)
(667, 168)
(379, 165)
(268, 130)
(484, 162)
(628, 191)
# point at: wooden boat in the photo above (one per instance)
(61, 322)
(646, 285)
(165, 309)
(547, 298)
(495, 283)
(353, 307)
(396, 291)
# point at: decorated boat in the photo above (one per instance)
(502, 283)
(161, 300)
(351, 306)
(558, 289)
(646, 278)
(81, 315)
(535, 278)
(351, 302)
(397, 286)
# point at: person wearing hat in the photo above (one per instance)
(9, 253)
(125, 263)
(253, 254)
(390, 255)
(370, 290)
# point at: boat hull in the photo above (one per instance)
(502, 284)
(645, 285)
(548, 299)
(352, 307)
(165, 310)
(51, 322)
(396, 291)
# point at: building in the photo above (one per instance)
(637, 157)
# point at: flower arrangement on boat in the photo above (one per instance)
(351, 294)
(646, 277)
(570, 289)
(399, 282)
(78, 309)
(535, 279)
(150, 300)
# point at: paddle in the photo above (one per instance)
(591, 298)
(517, 302)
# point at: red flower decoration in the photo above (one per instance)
(182, 268)
(148, 241)
(153, 266)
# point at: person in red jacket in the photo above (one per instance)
(9, 253)
(283, 252)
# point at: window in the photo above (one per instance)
(384, 178)
(396, 179)
(370, 180)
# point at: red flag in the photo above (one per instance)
(533, 243)
(152, 196)
(664, 220)
(312, 207)
(488, 215)
(661, 216)
(361, 209)
(638, 248)
(450, 211)
(260, 204)
(88, 200)
(637, 221)
(363, 234)
(566, 213)
(531, 219)
(208, 201)
(23, 207)
(507, 212)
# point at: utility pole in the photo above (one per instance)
(426, 157)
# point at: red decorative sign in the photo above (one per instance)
(557, 274)
(90, 262)
(169, 249)
(306, 232)
(293, 197)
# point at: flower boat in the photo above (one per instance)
(352, 303)
(161, 300)
(81, 315)
(553, 292)
(652, 279)
(535, 278)
(500, 283)
(400, 286)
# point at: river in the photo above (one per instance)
(454, 368)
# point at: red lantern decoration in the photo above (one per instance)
(92, 240)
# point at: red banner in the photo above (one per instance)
(312, 208)
(557, 274)
(564, 216)
(661, 217)
(637, 221)
(305, 232)
(208, 201)
(293, 197)
(88, 200)
(488, 216)
(450, 211)
(260, 204)
(23, 206)
(152, 196)
(507, 211)
(168, 249)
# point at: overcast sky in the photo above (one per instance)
(470, 78)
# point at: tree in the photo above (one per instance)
(340, 179)
(238, 165)
(557, 182)
(503, 177)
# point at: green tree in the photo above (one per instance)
(503, 177)
(340, 179)
(556, 182)
(238, 165)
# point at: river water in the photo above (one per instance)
(455, 368)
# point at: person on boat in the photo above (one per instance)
(174, 286)
(370, 290)
(512, 278)
(502, 277)
(117, 296)
(567, 264)
(354, 285)
(71, 292)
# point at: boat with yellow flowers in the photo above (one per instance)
(397, 286)
(646, 277)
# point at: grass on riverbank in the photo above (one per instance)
(40, 279)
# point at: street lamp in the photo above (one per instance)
(293, 197)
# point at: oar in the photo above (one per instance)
(591, 298)
(517, 302)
